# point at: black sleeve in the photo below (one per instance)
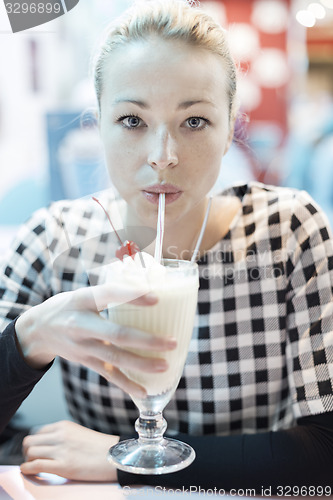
(17, 379)
(301, 456)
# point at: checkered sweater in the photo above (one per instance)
(261, 353)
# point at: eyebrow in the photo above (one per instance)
(188, 104)
(141, 104)
(144, 105)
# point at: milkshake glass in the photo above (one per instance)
(176, 285)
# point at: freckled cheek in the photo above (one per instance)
(122, 147)
(124, 168)
(209, 154)
(206, 164)
(122, 173)
(118, 155)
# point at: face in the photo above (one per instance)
(165, 127)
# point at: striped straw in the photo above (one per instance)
(160, 228)
(203, 227)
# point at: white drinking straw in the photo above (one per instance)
(203, 227)
(160, 227)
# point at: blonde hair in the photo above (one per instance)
(171, 20)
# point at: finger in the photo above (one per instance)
(32, 440)
(121, 358)
(118, 378)
(93, 326)
(97, 298)
(105, 330)
(38, 452)
(46, 435)
(43, 439)
(123, 336)
(41, 465)
(148, 299)
(134, 338)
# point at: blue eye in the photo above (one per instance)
(196, 122)
(130, 121)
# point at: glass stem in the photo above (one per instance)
(150, 426)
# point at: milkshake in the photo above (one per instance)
(176, 285)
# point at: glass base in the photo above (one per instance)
(163, 457)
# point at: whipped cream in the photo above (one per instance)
(142, 270)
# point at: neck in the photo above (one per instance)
(180, 238)
(180, 233)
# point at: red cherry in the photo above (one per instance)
(127, 248)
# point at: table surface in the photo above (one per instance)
(16, 486)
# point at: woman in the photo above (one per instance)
(255, 399)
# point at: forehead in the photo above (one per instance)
(164, 68)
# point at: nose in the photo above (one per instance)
(163, 151)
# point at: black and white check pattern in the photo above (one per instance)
(262, 348)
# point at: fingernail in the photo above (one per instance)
(151, 297)
(171, 342)
(161, 366)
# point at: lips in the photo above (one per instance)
(172, 193)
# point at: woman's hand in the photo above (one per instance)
(71, 451)
(69, 325)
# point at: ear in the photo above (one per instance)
(230, 136)
(96, 114)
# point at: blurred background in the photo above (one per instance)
(50, 148)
